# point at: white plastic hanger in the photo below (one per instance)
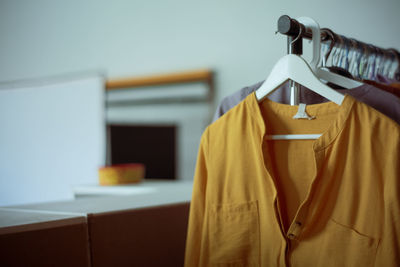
(293, 67)
(320, 72)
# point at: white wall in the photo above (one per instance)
(124, 38)
(131, 37)
(52, 137)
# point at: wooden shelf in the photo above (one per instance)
(204, 75)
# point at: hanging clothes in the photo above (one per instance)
(388, 88)
(389, 85)
(380, 100)
(334, 201)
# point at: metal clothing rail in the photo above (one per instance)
(296, 31)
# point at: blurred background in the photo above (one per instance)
(128, 38)
(72, 54)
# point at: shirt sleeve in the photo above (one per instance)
(194, 242)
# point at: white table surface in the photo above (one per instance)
(144, 187)
(107, 199)
(20, 220)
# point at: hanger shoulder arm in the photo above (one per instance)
(296, 68)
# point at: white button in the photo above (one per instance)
(291, 236)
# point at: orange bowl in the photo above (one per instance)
(121, 174)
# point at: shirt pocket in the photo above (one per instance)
(345, 246)
(234, 234)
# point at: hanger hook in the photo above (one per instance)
(298, 36)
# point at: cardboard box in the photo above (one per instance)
(33, 238)
(143, 237)
(139, 230)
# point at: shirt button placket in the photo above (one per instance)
(292, 235)
(294, 230)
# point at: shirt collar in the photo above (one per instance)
(327, 138)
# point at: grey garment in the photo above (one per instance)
(380, 100)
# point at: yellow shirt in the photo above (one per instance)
(334, 201)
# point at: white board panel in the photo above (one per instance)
(52, 136)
